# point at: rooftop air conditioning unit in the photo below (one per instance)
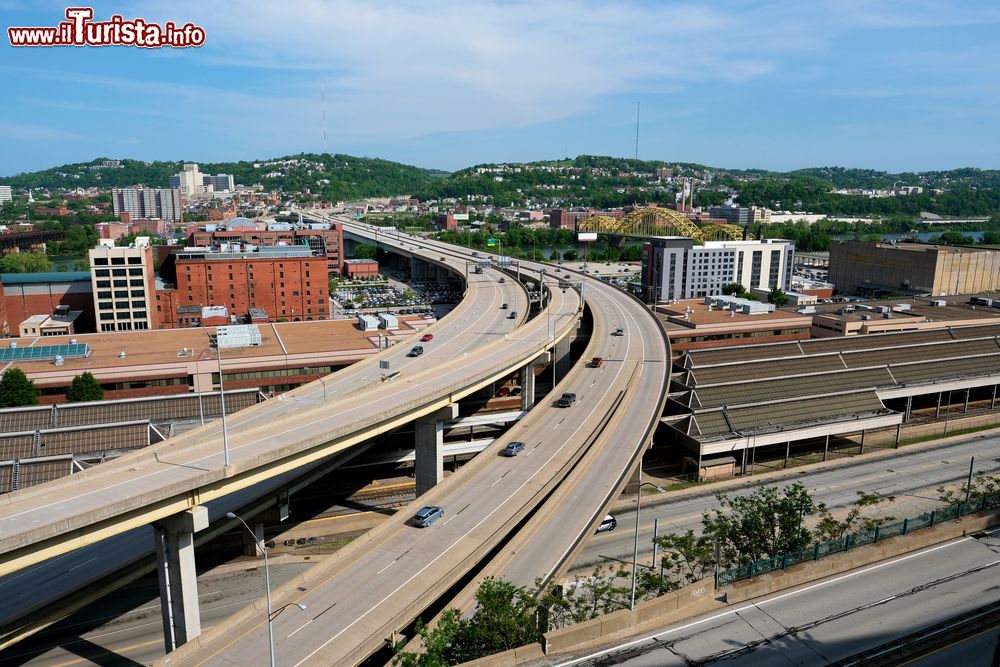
(58, 360)
(72, 341)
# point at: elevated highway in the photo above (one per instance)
(381, 582)
(40, 526)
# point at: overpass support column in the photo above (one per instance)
(528, 375)
(429, 448)
(251, 547)
(909, 408)
(937, 411)
(560, 360)
(993, 401)
(967, 392)
(174, 540)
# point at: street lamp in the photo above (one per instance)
(635, 547)
(222, 403)
(319, 377)
(267, 585)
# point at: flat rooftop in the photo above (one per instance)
(698, 315)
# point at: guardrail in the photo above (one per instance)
(821, 549)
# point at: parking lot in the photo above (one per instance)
(396, 297)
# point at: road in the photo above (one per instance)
(912, 475)
(829, 620)
(374, 590)
(475, 324)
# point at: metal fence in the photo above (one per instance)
(820, 549)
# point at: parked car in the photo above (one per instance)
(415, 351)
(426, 338)
(566, 400)
(609, 523)
(512, 448)
(597, 362)
(427, 515)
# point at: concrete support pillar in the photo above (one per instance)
(428, 435)
(937, 411)
(174, 545)
(788, 447)
(898, 429)
(909, 408)
(528, 387)
(561, 359)
(826, 446)
(966, 408)
(862, 442)
(442, 275)
(250, 547)
(993, 401)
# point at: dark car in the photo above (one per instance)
(512, 448)
(427, 515)
(566, 400)
(415, 351)
(504, 306)
(513, 315)
(502, 281)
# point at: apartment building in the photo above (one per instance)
(144, 203)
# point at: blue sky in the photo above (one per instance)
(902, 85)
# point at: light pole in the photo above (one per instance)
(222, 403)
(319, 377)
(267, 585)
(635, 547)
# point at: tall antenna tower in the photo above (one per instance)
(323, 87)
(637, 130)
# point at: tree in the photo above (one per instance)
(555, 256)
(760, 525)
(24, 262)
(587, 597)
(734, 289)
(982, 486)
(686, 558)
(570, 255)
(16, 390)
(830, 528)
(84, 388)
(365, 251)
(777, 297)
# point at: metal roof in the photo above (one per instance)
(42, 277)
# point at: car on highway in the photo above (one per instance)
(504, 306)
(427, 515)
(502, 281)
(618, 332)
(609, 523)
(566, 400)
(426, 338)
(512, 449)
(597, 362)
(513, 315)
(475, 254)
(415, 351)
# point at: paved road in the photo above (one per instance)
(475, 324)
(362, 598)
(909, 474)
(829, 620)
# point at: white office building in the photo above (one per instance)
(675, 268)
(123, 284)
(6, 194)
(193, 183)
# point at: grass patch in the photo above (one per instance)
(938, 436)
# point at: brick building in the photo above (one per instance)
(25, 294)
(287, 282)
(560, 218)
(326, 238)
(360, 268)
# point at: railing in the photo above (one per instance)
(820, 549)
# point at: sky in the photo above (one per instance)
(906, 85)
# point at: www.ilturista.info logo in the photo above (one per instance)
(80, 30)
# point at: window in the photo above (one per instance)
(100, 261)
(121, 294)
(140, 293)
(102, 273)
(135, 283)
(117, 261)
(135, 260)
(118, 273)
(104, 283)
(121, 283)
(105, 305)
(295, 292)
(138, 304)
(121, 305)
(107, 316)
(107, 327)
(104, 295)
(135, 272)
(139, 315)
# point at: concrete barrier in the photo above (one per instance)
(857, 557)
(651, 613)
(515, 656)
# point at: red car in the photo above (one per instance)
(426, 338)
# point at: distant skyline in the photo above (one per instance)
(909, 85)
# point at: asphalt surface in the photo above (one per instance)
(831, 619)
(474, 324)
(911, 475)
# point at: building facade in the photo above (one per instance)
(286, 282)
(141, 202)
(876, 269)
(741, 215)
(560, 218)
(123, 286)
(6, 194)
(675, 268)
(28, 294)
(192, 183)
(325, 238)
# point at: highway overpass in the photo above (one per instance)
(473, 347)
(382, 581)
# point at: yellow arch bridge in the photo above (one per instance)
(655, 221)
